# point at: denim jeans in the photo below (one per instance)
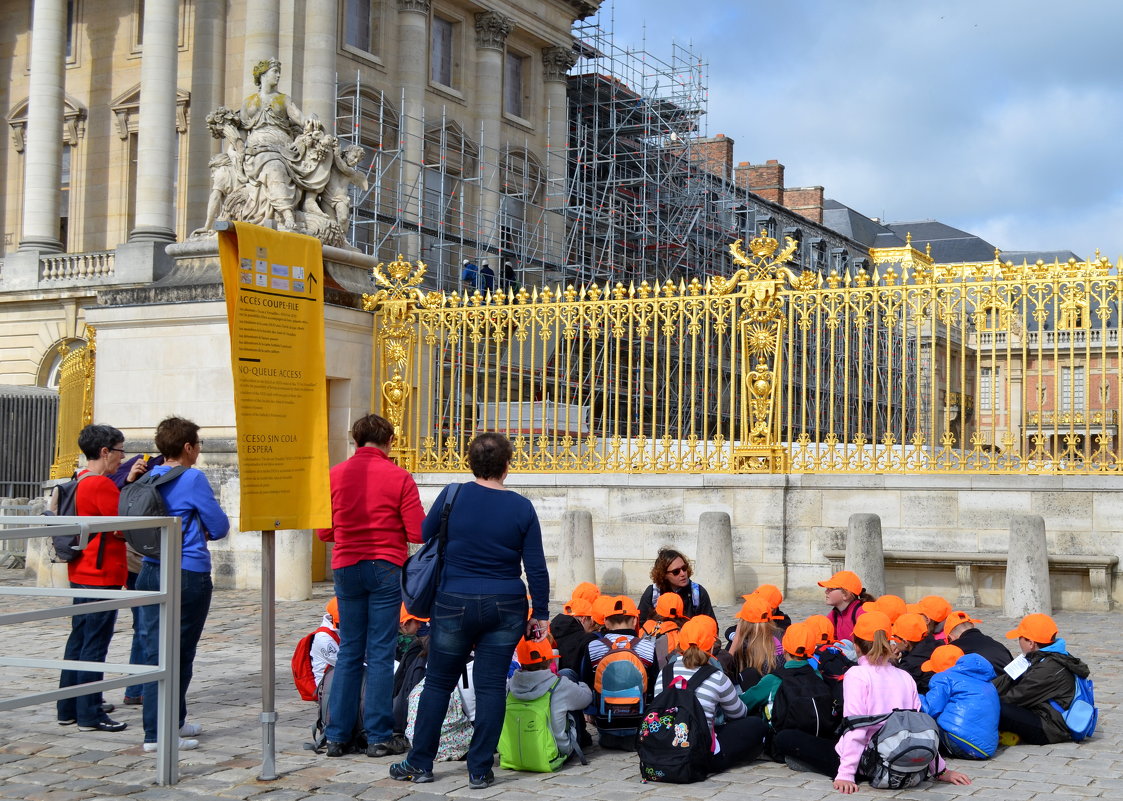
(88, 642)
(492, 626)
(195, 602)
(136, 653)
(369, 594)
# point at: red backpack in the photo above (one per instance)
(302, 675)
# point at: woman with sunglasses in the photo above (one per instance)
(671, 573)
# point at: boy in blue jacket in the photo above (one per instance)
(963, 701)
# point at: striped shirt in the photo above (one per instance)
(715, 691)
(644, 649)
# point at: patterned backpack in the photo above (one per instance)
(675, 741)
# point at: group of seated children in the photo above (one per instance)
(815, 694)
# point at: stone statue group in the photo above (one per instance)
(280, 166)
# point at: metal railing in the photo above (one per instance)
(915, 367)
(165, 672)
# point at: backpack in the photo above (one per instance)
(803, 701)
(358, 741)
(64, 503)
(302, 675)
(620, 679)
(527, 741)
(899, 753)
(1082, 715)
(408, 674)
(675, 742)
(143, 499)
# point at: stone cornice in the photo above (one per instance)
(492, 29)
(584, 8)
(421, 6)
(556, 62)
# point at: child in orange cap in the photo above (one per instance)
(829, 659)
(532, 680)
(664, 625)
(915, 644)
(892, 605)
(963, 701)
(844, 594)
(618, 726)
(772, 594)
(571, 628)
(325, 644)
(741, 739)
(803, 710)
(960, 630)
(1027, 709)
(756, 649)
(935, 610)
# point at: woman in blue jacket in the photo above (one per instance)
(963, 701)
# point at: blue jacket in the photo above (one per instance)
(965, 705)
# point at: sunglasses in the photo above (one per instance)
(676, 571)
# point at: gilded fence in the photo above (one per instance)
(914, 368)
(76, 403)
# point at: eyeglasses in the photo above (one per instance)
(676, 571)
(118, 450)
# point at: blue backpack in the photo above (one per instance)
(1081, 716)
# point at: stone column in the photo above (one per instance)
(556, 62)
(157, 138)
(208, 84)
(864, 553)
(261, 39)
(713, 562)
(320, 44)
(492, 29)
(1027, 588)
(42, 165)
(413, 73)
(294, 560)
(576, 555)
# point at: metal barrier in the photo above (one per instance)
(165, 672)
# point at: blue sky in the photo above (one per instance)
(1002, 118)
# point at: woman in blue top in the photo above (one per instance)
(481, 606)
(191, 499)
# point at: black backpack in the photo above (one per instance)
(143, 499)
(674, 741)
(803, 701)
(64, 503)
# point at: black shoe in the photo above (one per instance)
(105, 724)
(405, 772)
(134, 700)
(399, 744)
(336, 749)
(107, 708)
(481, 782)
(378, 750)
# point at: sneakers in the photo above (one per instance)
(481, 782)
(133, 700)
(190, 730)
(107, 708)
(67, 721)
(184, 745)
(398, 744)
(405, 772)
(105, 724)
(336, 749)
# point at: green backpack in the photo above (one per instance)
(527, 741)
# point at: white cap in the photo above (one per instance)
(465, 261)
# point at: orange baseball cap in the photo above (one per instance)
(600, 608)
(870, 623)
(844, 580)
(801, 640)
(332, 609)
(578, 607)
(532, 652)
(910, 627)
(669, 605)
(934, 608)
(958, 618)
(942, 658)
(403, 616)
(892, 605)
(821, 625)
(587, 590)
(756, 609)
(700, 630)
(621, 605)
(770, 593)
(1037, 627)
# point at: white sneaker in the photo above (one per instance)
(190, 730)
(184, 745)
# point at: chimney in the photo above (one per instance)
(806, 201)
(714, 155)
(766, 180)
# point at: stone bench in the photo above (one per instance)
(1100, 569)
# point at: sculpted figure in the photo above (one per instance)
(335, 199)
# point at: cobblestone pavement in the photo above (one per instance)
(39, 761)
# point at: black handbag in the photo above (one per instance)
(421, 574)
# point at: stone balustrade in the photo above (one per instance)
(93, 266)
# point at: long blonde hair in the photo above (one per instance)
(754, 646)
(878, 651)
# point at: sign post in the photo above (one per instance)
(274, 289)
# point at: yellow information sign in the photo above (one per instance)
(275, 308)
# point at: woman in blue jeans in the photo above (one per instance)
(481, 607)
